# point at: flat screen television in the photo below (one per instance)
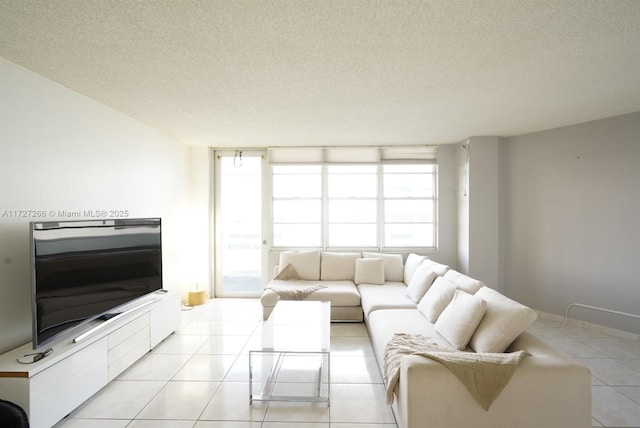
(83, 270)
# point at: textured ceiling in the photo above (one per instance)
(330, 72)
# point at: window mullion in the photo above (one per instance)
(324, 219)
(381, 218)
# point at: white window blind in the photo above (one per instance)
(351, 155)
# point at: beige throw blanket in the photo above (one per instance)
(484, 375)
(294, 290)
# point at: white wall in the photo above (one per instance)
(62, 151)
(571, 219)
(447, 203)
(478, 210)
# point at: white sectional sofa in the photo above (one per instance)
(420, 296)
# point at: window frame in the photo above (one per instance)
(380, 199)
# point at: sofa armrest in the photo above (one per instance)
(546, 391)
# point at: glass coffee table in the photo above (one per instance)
(292, 363)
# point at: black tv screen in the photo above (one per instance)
(82, 270)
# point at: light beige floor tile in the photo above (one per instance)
(206, 367)
(580, 332)
(303, 368)
(341, 425)
(239, 371)
(120, 400)
(348, 329)
(238, 328)
(632, 392)
(611, 372)
(231, 403)
(91, 423)
(294, 425)
(355, 370)
(361, 403)
(161, 424)
(613, 409)
(155, 367)
(613, 347)
(229, 345)
(574, 348)
(181, 344)
(227, 424)
(302, 412)
(634, 363)
(201, 327)
(353, 346)
(180, 400)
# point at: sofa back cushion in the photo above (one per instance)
(411, 265)
(393, 265)
(306, 263)
(463, 282)
(338, 266)
(503, 322)
(438, 268)
(436, 298)
(459, 320)
(369, 271)
(420, 283)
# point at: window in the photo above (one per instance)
(378, 204)
(352, 205)
(297, 206)
(409, 205)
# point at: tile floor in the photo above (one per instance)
(198, 378)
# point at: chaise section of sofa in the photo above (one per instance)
(548, 389)
(335, 272)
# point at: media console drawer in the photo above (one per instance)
(65, 385)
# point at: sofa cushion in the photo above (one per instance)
(339, 293)
(393, 295)
(420, 282)
(437, 298)
(338, 266)
(393, 266)
(459, 320)
(384, 323)
(438, 268)
(306, 263)
(503, 322)
(410, 265)
(369, 271)
(288, 273)
(463, 282)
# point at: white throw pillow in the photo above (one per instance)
(306, 263)
(459, 320)
(437, 298)
(503, 322)
(411, 265)
(369, 271)
(393, 265)
(420, 283)
(338, 266)
(463, 282)
(438, 268)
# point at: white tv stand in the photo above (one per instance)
(51, 388)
